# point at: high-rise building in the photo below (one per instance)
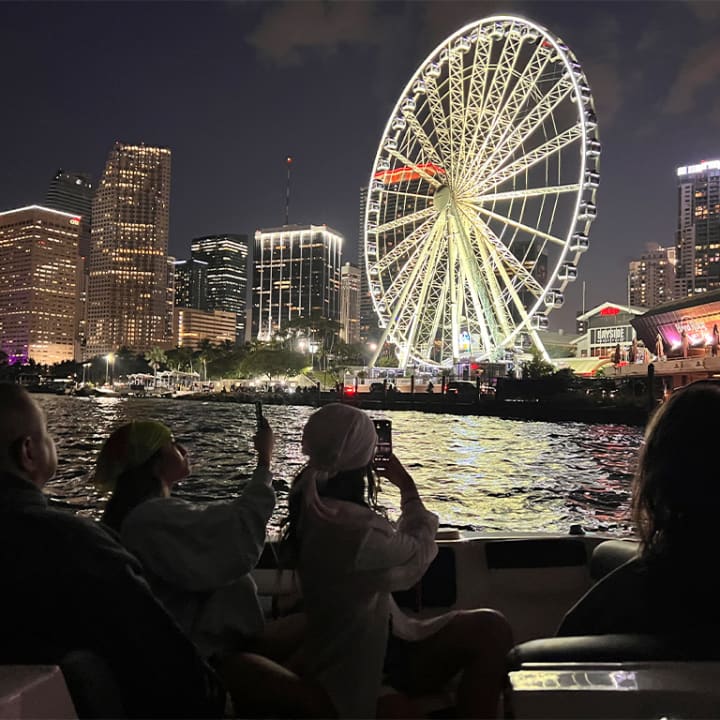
(191, 282)
(698, 231)
(193, 326)
(296, 274)
(38, 295)
(350, 303)
(368, 318)
(72, 192)
(651, 279)
(227, 270)
(128, 268)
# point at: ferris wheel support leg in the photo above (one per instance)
(380, 346)
(539, 345)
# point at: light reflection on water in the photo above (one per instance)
(476, 472)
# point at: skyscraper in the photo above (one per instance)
(128, 268)
(297, 274)
(191, 280)
(38, 295)
(227, 270)
(698, 231)
(350, 303)
(651, 279)
(72, 192)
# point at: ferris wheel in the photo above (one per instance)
(481, 195)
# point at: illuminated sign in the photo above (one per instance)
(74, 221)
(390, 177)
(609, 311)
(702, 167)
(611, 335)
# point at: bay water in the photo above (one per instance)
(475, 472)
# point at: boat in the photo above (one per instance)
(533, 579)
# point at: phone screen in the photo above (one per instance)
(383, 428)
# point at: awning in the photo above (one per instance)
(583, 366)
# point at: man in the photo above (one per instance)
(68, 585)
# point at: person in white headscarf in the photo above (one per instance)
(350, 558)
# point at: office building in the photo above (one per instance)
(296, 274)
(698, 232)
(350, 304)
(651, 278)
(38, 295)
(191, 278)
(226, 256)
(72, 192)
(128, 266)
(192, 326)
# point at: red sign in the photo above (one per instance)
(390, 177)
(609, 311)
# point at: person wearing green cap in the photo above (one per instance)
(72, 591)
(199, 557)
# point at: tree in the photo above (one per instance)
(273, 362)
(156, 358)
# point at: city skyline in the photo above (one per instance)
(256, 82)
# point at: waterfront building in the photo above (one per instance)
(226, 256)
(128, 269)
(191, 283)
(296, 274)
(651, 278)
(192, 326)
(350, 303)
(72, 192)
(608, 325)
(698, 231)
(39, 292)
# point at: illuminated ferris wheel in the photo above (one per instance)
(481, 195)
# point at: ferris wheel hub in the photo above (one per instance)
(441, 198)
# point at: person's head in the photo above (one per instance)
(340, 442)
(140, 460)
(676, 489)
(26, 448)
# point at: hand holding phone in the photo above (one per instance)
(383, 450)
(260, 420)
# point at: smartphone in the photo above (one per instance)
(383, 428)
(260, 421)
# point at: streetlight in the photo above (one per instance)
(313, 350)
(85, 365)
(108, 359)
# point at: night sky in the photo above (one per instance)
(233, 88)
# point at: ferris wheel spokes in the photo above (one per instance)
(527, 193)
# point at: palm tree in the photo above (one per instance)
(156, 358)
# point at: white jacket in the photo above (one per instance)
(347, 571)
(198, 558)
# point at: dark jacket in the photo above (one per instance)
(67, 584)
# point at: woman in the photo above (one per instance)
(198, 559)
(669, 588)
(350, 558)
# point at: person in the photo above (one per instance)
(430, 387)
(659, 347)
(632, 351)
(715, 340)
(198, 559)
(666, 589)
(350, 558)
(69, 587)
(617, 356)
(684, 343)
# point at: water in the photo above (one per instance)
(476, 473)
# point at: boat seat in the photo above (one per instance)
(612, 648)
(611, 554)
(613, 676)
